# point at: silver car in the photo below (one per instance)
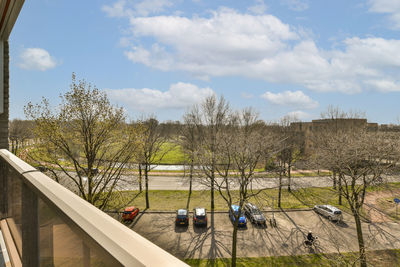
(331, 212)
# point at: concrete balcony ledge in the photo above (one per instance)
(123, 244)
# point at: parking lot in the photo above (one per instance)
(286, 239)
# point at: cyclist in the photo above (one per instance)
(310, 239)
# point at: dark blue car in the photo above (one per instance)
(242, 218)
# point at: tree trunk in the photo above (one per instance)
(280, 189)
(289, 177)
(146, 178)
(140, 178)
(212, 181)
(361, 247)
(190, 184)
(234, 242)
(340, 189)
(334, 179)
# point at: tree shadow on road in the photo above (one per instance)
(216, 248)
(181, 228)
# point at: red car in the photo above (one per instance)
(130, 213)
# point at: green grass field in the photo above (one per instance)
(173, 154)
(169, 200)
(382, 258)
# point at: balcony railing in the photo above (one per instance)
(51, 226)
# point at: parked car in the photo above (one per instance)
(182, 217)
(130, 213)
(254, 214)
(199, 216)
(331, 212)
(242, 218)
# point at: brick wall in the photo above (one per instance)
(4, 116)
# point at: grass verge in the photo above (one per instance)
(170, 200)
(375, 258)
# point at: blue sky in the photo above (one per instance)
(162, 56)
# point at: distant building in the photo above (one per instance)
(305, 129)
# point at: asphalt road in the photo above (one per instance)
(181, 183)
(286, 239)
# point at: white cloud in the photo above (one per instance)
(259, 8)
(147, 7)
(126, 8)
(246, 95)
(178, 96)
(390, 7)
(229, 43)
(36, 59)
(296, 5)
(118, 9)
(289, 98)
(384, 85)
(298, 114)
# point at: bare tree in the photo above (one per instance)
(19, 132)
(290, 148)
(85, 134)
(152, 150)
(335, 113)
(277, 152)
(337, 122)
(360, 158)
(241, 150)
(189, 140)
(213, 116)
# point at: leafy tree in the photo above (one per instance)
(85, 134)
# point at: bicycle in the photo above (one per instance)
(311, 243)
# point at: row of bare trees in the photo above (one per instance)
(224, 148)
(88, 142)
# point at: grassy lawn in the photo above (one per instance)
(375, 258)
(172, 154)
(169, 200)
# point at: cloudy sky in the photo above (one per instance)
(162, 56)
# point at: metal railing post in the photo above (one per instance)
(30, 228)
